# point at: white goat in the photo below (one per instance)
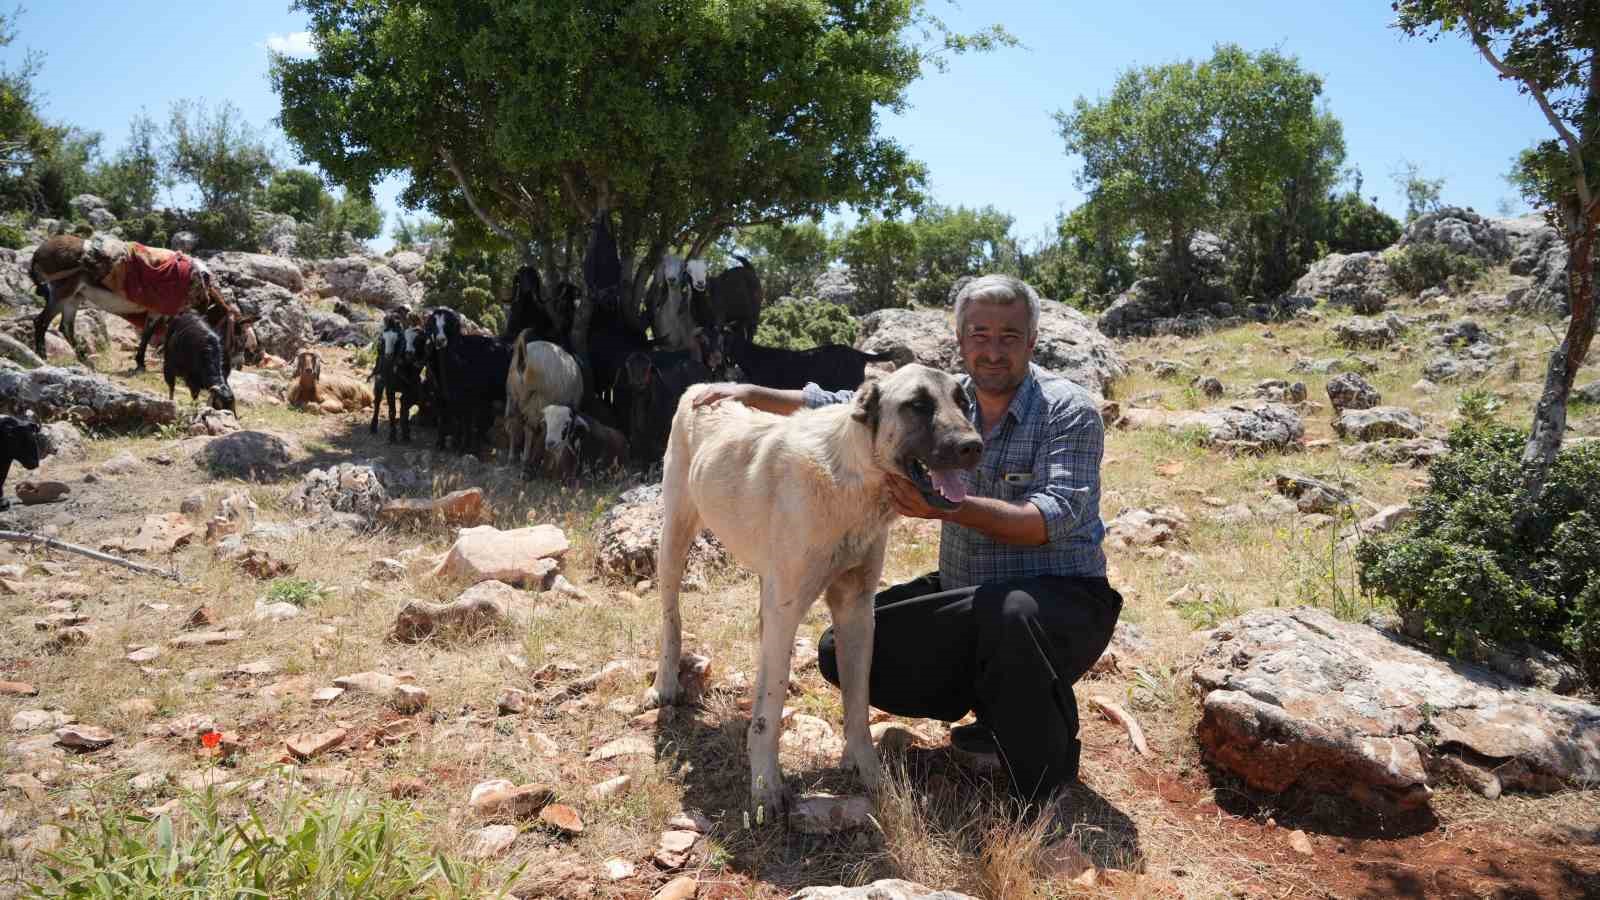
(541, 374)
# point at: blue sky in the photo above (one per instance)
(983, 127)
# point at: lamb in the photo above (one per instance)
(573, 440)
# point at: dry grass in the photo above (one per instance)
(941, 822)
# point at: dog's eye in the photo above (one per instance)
(923, 405)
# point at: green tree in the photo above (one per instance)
(42, 165)
(1181, 147)
(1090, 261)
(227, 164)
(801, 325)
(952, 242)
(1422, 193)
(296, 192)
(1550, 51)
(422, 229)
(1276, 246)
(789, 255)
(128, 182)
(685, 121)
(879, 253)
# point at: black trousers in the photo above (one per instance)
(1009, 651)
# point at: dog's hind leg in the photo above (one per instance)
(850, 603)
(680, 521)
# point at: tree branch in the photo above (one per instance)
(472, 202)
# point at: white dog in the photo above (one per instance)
(803, 501)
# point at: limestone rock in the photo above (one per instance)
(1250, 427)
(629, 534)
(883, 889)
(1359, 332)
(1297, 698)
(1414, 452)
(1378, 423)
(827, 814)
(92, 401)
(486, 553)
(1146, 527)
(1311, 495)
(272, 269)
(1461, 230)
(1351, 391)
(500, 799)
(343, 488)
(459, 508)
(306, 745)
(249, 455)
(484, 605)
(489, 842)
(160, 534)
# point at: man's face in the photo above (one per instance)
(996, 346)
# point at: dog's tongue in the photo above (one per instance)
(949, 483)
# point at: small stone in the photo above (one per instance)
(407, 788)
(305, 745)
(486, 843)
(329, 775)
(17, 689)
(31, 787)
(616, 869)
(144, 655)
(827, 814)
(543, 744)
(83, 737)
(681, 888)
(564, 588)
(1299, 843)
(368, 683)
(690, 820)
(282, 611)
(193, 503)
(39, 719)
(644, 587)
(324, 696)
(674, 848)
(386, 570)
(512, 702)
(206, 639)
(624, 746)
(137, 707)
(499, 798)
(611, 787)
(146, 782)
(201, 617)
(562, 818)
(408, 698)
(261, 668)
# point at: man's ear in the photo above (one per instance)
(866, 403)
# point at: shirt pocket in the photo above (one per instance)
(1015, 484)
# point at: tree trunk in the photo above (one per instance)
(1550, 415)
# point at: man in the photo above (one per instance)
(1020, 607)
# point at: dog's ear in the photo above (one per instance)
(866, 402)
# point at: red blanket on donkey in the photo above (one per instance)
(159, 280)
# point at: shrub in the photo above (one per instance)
(149, 229)
(1463, 574)
(1417, 267)
(803, 324)
(12, 237)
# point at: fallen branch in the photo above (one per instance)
(1124, 718)
(23, 537)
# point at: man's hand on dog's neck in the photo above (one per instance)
(1009, 523)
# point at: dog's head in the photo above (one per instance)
(308, 366)
(918, 418)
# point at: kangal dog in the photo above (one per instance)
(803, 501)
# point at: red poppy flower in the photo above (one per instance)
(211, 738)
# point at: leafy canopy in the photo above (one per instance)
(687, 119)
(1179, 147)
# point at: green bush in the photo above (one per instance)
(1462, 573)
(1417, 267)
(803, 324)
(149, 229)
(12, 237)
(303, 847)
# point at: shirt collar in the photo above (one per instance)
(1023, 402)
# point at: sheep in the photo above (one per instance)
(540, 374)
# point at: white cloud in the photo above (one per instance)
(295, 43)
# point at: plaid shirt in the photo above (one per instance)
(1047, 451)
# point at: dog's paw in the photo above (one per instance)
(655, 698)
(863, 760)
(769, 803)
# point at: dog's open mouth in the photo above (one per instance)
(942, 488)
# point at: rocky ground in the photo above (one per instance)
(467, 650)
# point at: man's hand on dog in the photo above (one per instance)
(715, 393)
(908, 501)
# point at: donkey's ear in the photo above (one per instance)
(866, 403)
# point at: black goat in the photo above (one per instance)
(397, 373)
(468, 374)
(19, 442)
(193, 352)
(833, 367)
(731, 301)
(656, 381)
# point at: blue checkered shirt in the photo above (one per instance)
(1046, 451)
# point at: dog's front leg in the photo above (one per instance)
(850, 603)
(782, 608)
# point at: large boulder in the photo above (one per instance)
(351, 488)
(517, 557)
(1069, 343)
(271, 269)
(92, 401)
(1298, 699)
(1350, 391)
(1540, 254)
(835, 286)
(360, 280)
(249, 455)
(1362, 332)
(83, 204)
(629, 533)
(1378, 423)
(1365, 271)
(16, 288)
(1396, 451)
(1463, 231)
(408, 265)
(284, 326)
(1255, 427)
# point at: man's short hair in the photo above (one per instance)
(1002, 290)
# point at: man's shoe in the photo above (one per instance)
(975, 738)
